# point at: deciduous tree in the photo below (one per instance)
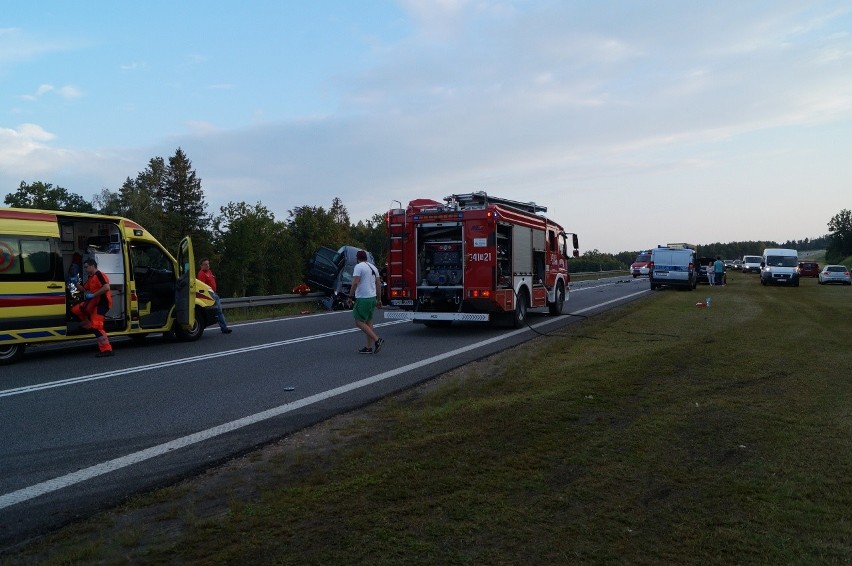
(840, 243)
(46, 196)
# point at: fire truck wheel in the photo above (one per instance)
(10, 354)
(519, 317)
(559, 303)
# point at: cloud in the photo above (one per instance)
(18, 145)
(67, 91)
(134, 66)
(590, 109)
(17, 46)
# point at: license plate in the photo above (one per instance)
(403, 302)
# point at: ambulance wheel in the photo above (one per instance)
(11, 353)
(519, 317)
(194, 332)
(559, 303)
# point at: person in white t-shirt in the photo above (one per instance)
(366, 282)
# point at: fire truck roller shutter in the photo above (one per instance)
(522, 251)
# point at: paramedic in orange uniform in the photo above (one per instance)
(98, 301)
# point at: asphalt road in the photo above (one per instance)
(79, 434)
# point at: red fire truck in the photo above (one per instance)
(475, 258)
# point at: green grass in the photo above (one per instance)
(656, 433)
(240, 314)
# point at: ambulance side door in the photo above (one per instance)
(186, 285)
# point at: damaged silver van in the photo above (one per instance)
(331, 271)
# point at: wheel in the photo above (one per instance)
(11, 353)
(193, 333)
(557, 306)
(519, 317)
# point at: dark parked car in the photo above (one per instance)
(808, 269)
(705, 265)
(706, 270)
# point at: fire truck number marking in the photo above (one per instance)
(486, 256)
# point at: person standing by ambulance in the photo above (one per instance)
(97, 301)
(205, 275)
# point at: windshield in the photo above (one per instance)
(643, 258)
(782, 261)
(751, 259)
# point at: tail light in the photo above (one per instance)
(691, 266)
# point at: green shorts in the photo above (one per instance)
(363, 309)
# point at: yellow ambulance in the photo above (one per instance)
(152, 292)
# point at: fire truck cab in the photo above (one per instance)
(475, 258)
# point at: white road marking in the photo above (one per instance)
(169, 363)
(68, 480)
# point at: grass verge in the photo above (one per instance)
(241, 314)
(658, 432)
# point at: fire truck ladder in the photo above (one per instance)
(480, 200)
(396, 255)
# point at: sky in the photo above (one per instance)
(634, 123)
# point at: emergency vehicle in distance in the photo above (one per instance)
(640, 264)
(475, 258)
(151, 291)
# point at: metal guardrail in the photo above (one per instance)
(269, 300)
(600, 272)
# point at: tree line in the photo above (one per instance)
(253, 253)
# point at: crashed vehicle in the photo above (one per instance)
(330, 271)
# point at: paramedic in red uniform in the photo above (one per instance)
(98, 300)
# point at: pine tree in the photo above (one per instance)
(183, 203)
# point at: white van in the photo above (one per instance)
(751, 263)
(779, 266)
(674, 267)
